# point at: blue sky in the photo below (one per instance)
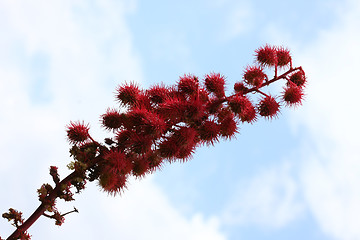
(295, 177)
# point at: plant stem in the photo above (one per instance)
(42, 208)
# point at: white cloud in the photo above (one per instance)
(88, 49)
(156, 212)
(268, 200)
(330, 174)
(332, 193)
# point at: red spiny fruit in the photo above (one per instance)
(193, 110)
(174, 92)
(172, 109)
(224, 113)
(248, 114)
(203, 95)
(268, 107)
(283, 56)
(240, 88)
(185, 136)
(292, 94)
(143, 101)
(254, 76)
(158, 93)
(228, 126)
(214, 105)
(188, 84)
(185, 152)
(180, 144)
(123, 138)
(155, 161)
(141, 143)
(145, 122)
(117, 162)
(141, 166)
(237, 103)
(298, 78)
(209, 132)
(168, 148)
(266, 56)
(128, 94)
(112, 119)
(243, 107)
(137, 118)
(112, 183)
(154, 124)
(77, 132)
(214, 83)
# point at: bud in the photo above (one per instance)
(54, 174)
(59, 219)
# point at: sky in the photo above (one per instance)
(294, 177)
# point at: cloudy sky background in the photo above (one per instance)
(296, 177)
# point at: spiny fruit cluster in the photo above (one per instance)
(169, 122)
(166, 123)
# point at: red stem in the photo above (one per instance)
(42, 208)
(274, 79)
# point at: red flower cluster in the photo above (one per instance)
(17, 219)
